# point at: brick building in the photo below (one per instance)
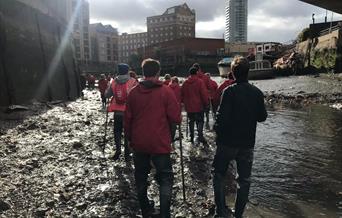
(178, 55)
(175, 23)
(104, 43)
(129, 44)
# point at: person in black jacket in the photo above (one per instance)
(242, 106)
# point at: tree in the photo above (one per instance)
(134, 61)
(303, 35)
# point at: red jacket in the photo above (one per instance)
(194, 95)
(151, 109)
(177, 90)
(212, 89)
(167, 82)
(218, 93)
(103, 85)
(204, 78)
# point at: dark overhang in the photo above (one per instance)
(332, 5)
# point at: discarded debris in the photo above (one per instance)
(13, 108)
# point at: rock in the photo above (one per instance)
(77, 145)
(32, 126)
(4, 206)
(50, 203)
(12, 147)
(65, 196)
(87, 122)
(201, 193)
(81, 206)
(40, 212)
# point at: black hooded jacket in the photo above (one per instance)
(242, 106)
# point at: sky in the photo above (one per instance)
(268, 20)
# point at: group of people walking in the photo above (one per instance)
(149, 111)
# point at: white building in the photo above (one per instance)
(129, 44)
(79, 10)
(104, 43)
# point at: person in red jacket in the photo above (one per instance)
(151, 109)
(91, 81)
(102, 85)
(217, 96)
(206, 80)
(167, 79)
(195, 98)
(174, 85)
(212, 89)
(119, 88)
(202, 75)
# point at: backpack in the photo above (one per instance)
(120, 93)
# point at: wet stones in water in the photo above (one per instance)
(4, 206)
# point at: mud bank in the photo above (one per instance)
(303, 90)
(52, 166)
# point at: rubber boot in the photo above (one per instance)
(149, 211)
(192, 131)
(200, 133)
(127, 152)
(117, 154)
(117, 151)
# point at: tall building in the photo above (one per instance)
(129, 44)
(236, 20)
(79, 10)
(175, 23)
(104, 43)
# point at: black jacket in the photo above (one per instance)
(242, 106)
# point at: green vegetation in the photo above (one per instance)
(324, 59)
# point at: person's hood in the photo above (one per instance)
(148, 85)
(200, 74)
(120, 79)
(192, 79)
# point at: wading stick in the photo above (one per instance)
(181, 158)
(187, 126)
(105, 131)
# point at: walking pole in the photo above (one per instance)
(187, 126)
(105, 132)
(181, 158)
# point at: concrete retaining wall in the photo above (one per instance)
(29, 42)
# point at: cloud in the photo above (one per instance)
(281, 20)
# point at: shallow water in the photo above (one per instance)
(298, 162)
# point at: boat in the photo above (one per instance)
(224, 66)
(260, 70)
